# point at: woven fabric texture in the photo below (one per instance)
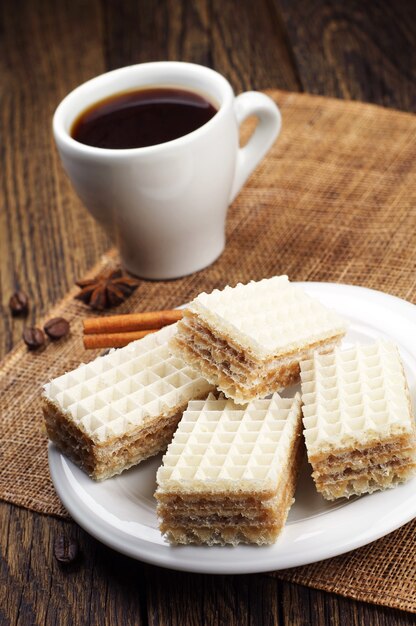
(335, 200)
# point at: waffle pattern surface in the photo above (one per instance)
(358, 423)
(229, 474)
(121, 408)
(248, 340)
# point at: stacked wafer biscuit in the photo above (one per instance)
(230, 473)
(359, 428)
(124, 407)
(248, 340)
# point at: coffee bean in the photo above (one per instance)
(33, 338)
(56, 328)
(65, 550)
(19, 303)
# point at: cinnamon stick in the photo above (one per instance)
(131, 322)
(113, 340)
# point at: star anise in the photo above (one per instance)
(106, 290)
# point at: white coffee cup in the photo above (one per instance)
(165, 205)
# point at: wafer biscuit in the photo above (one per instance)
(121, 408)
(248, 340)
(358, 423)
(229, 475)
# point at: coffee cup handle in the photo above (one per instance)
(266, 132)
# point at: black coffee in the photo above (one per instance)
(145, 117)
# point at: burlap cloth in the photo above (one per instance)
(335, 200)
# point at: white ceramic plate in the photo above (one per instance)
(120, 512)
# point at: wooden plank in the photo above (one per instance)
(102, 585)
(182, 599)
(249, 46)
(357, 50)
(46, 236)
(308, 607)
(245, 41)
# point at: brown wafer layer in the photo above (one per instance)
(373, 481)
(222, 535)
(241, 529)
(351, 453)
(346, 466)
(103, 460)
(223, 367)
(377, 469)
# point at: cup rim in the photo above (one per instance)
(63, 137)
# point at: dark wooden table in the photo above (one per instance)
(357, 50)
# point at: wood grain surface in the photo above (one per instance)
(352, 50)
